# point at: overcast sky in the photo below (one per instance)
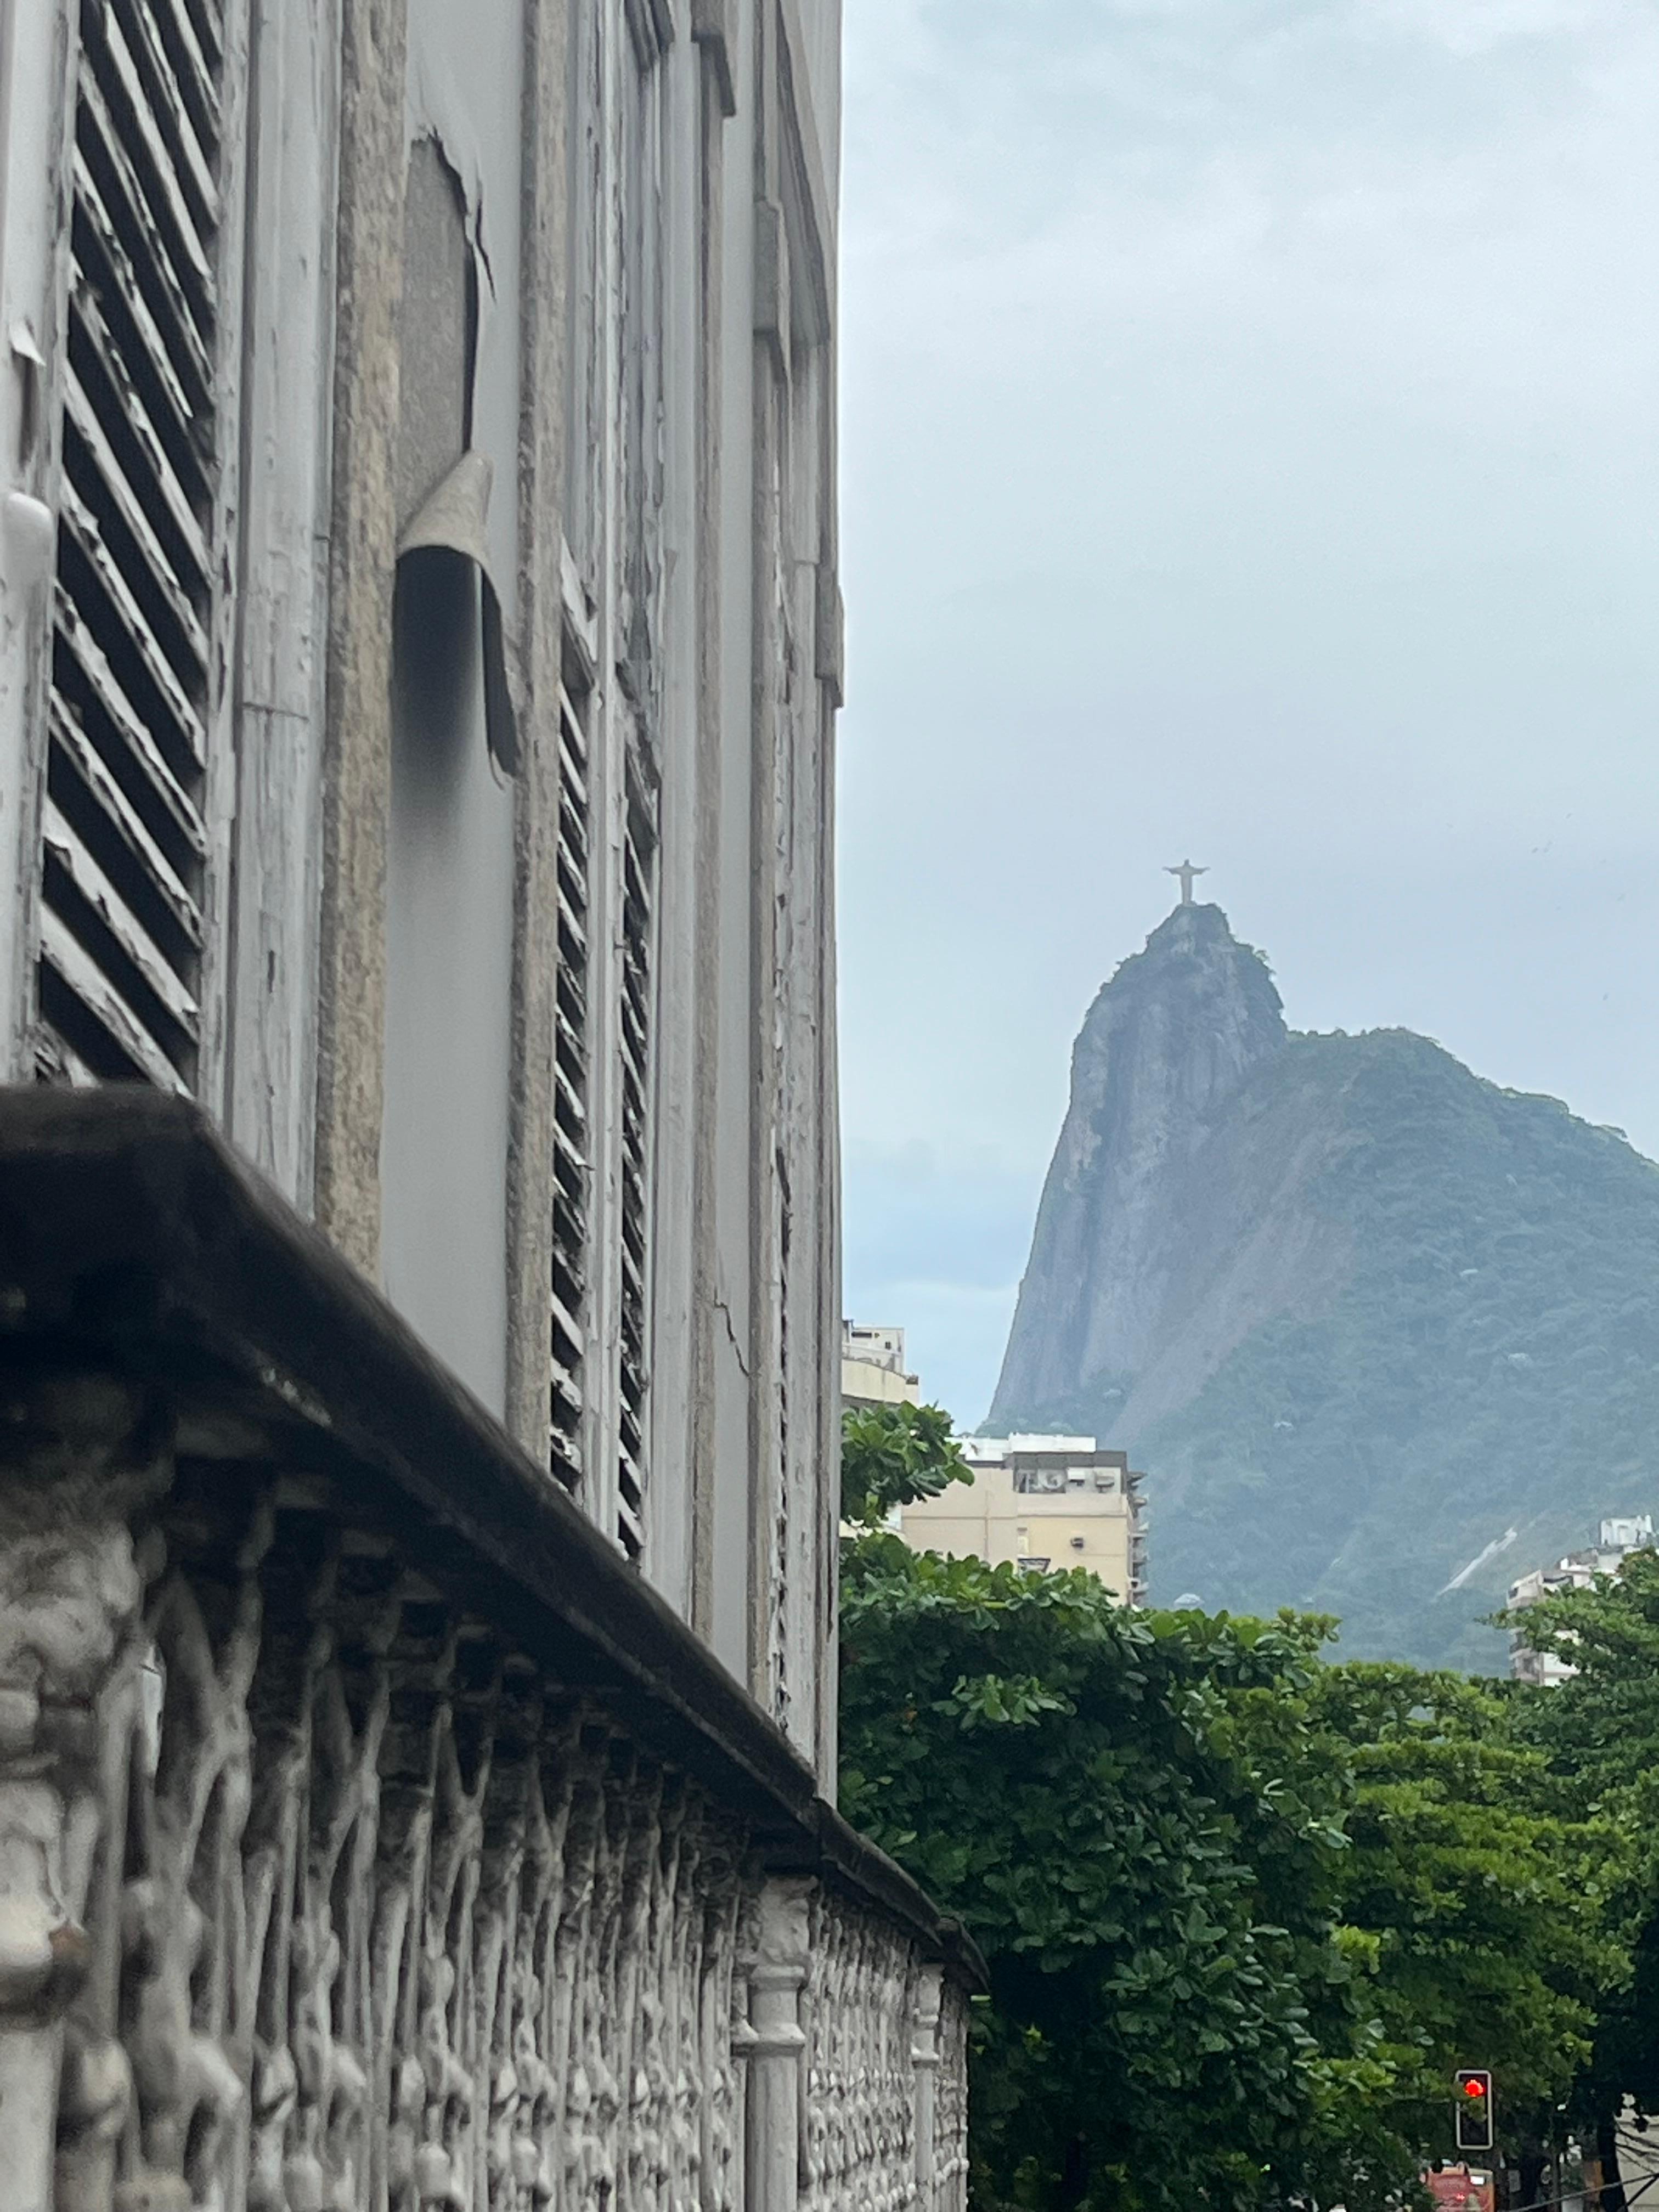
(1250, 448)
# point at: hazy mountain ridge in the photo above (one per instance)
(1358, 1311)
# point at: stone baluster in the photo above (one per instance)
(776, 1979)
(924, 2057)
(950, 2108)
(736, 2198)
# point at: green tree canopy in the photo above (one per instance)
(1067, 1776)
(1599, 1733)
(892, 1455)
(1245, 1911)
(1478, 1891)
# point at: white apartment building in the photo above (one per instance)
(1616, 1538)
(872, 1367)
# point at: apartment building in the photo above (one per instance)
(1042, 1503)
(1616, 1538)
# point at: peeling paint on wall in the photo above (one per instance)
(444, 482)
(450, 849)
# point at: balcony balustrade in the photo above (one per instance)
(372, 1838)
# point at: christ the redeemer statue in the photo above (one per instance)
(1188, 875)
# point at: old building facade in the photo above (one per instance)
(419, 646)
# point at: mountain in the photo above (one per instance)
(1362, 1316)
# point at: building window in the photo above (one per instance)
(635, 1028)
(572, 1059)
(136, 727)
(610, 814)
(635, 724)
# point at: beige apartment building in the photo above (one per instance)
(1042, 1503)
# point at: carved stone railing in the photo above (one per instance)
(371, 1838)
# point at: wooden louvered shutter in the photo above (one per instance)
(571, 1071)
(607, 932)
(636, 993)
(609, 715)
(631, 782)
(138, 732)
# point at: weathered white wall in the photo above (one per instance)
(449, 861)
(820, 24)
(740, 706)
(382, 1038)
(671, 1559)
(449, 874)
(739, 1391)
(465, 83)
(33, 46)
(286, 390)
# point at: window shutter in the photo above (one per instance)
(134, 727)
(638, 492)
(571, 1071)
(611, 716)
(637, 992)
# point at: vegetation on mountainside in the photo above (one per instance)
(1244, 1911)
(1490, 1363)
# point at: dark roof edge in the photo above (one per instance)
(864, 1871)
(137, 1236)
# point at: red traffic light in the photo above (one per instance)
(1475, 2129)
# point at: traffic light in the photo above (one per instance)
(1475, 2112)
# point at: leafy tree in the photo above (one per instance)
(1477, 1894)
(1244, 1911)
(1599, 1732)
(892, 1455)
(1168, 1996)
(1601, 1727)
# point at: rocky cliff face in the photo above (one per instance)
(1171, 1040)
(1362, 1316)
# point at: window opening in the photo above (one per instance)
(124, 846)
(636, 987)
(571, 1071)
